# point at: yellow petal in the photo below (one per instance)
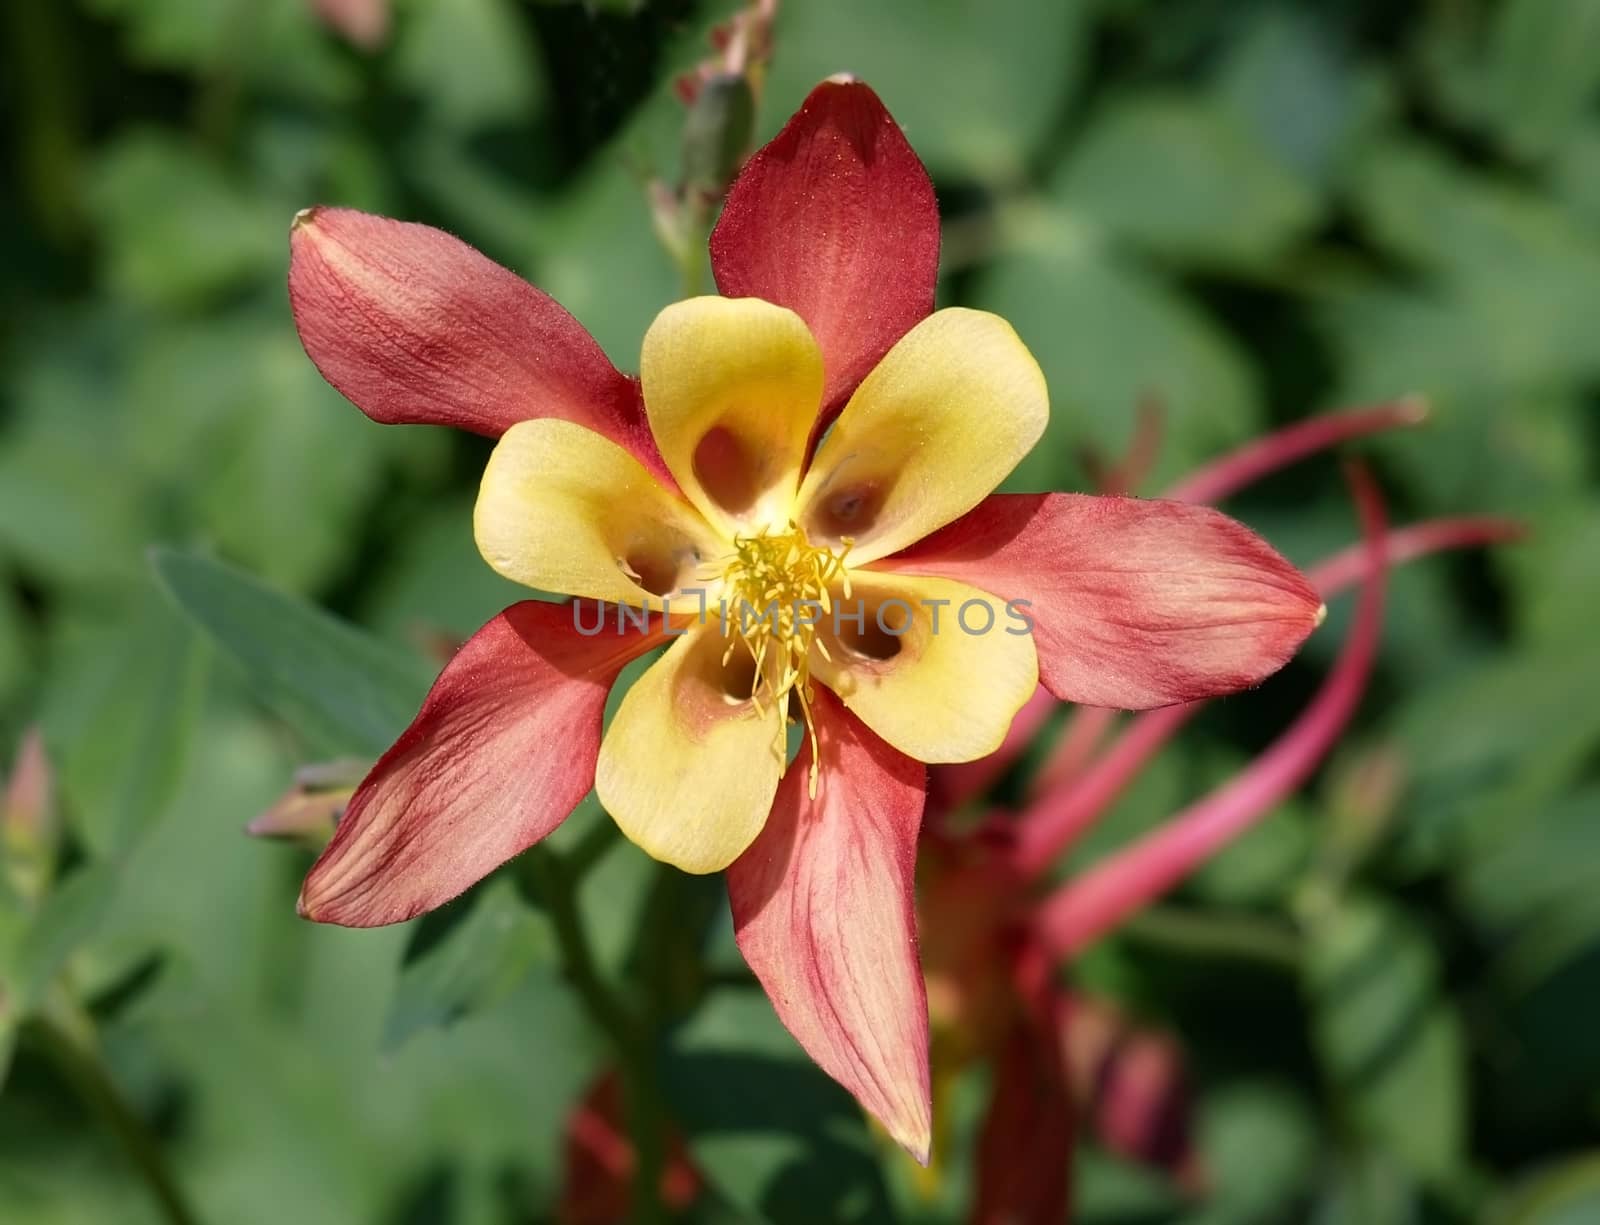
(937, 668)
(690, 764)
(941, 420)
(565, 510)
(731, 389)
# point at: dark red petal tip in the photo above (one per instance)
(835, 219)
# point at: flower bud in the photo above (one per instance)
(29, 824)
(717, 132)
(310, 809)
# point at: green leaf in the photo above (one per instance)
(988, 113)
(1575, 174)
(278, 48)
(177, 228)
(1369, 1187)
(344, 690)
(470, 60)
(435, 578)
(1295, 83)
(295, 468)
(124, 725)
(1567, 1193)
(72, 914)
(1521, 728)
(480, 960)
(596, 238)
(1527, 77)
(770, 1130)
(1257, 1145)
(1186, 180)
(1389, 1041)
(170, 33)
(1555, 574)
(16, 638)
(122, 716)
(1257, 1142)
(1510, 274)
(1109, 332)
(65, 521)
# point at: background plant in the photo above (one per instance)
(1250, 211)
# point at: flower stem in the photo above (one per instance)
(1281, 448)
(71, 1047)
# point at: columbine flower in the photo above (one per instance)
(995, 922)
(818, 434)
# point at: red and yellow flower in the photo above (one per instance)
(817, 435)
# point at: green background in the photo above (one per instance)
(1249, 210)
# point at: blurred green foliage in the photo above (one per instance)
(1246, 210)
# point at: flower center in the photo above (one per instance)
(776, 588)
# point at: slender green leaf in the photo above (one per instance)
(344, 690)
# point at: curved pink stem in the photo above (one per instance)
(1265, 455)
(1059, 817)
(1080, 741)
(1344, 569)
(1086, 908)
(1061, 813)
(1256, 459)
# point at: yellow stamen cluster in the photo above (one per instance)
(774, 584)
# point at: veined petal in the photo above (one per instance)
(937, 668)
(690, 764)
(823, 911)
(1135, 603)
(732, 387)
(414, 326)
(563, 509)
(940, 421)
(501, 752)
(835, 219)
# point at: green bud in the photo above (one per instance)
(717, 133)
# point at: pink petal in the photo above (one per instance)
(1090, 905)
(1068, 804)
(1132, 1085)
(1136, 604)
(414, 326)
(836, 220)
(502, 750)
(823, 910)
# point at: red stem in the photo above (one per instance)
(1062, 813)
(1085, 909)
(1279, 449)
(1080, 741)
(1059, 817)
(1344, 569)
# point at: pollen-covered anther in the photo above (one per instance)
(776, 585)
